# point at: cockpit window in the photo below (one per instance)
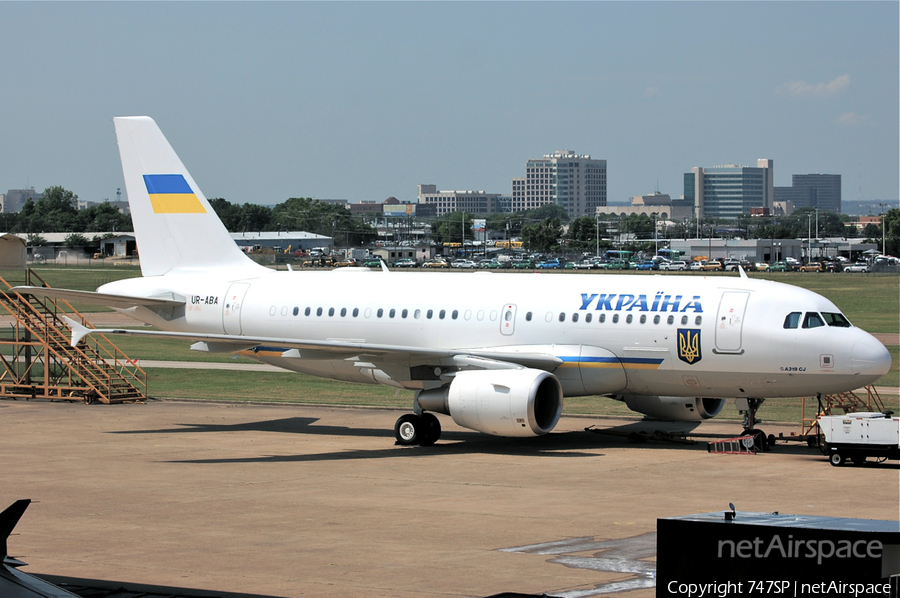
(836, 320)
(792, 320)
(812, 320)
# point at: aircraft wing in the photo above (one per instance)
(118, 301)
(342, 348)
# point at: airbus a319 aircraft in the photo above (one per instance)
(496, 352)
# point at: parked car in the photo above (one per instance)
(780, 267)
(711, 265)
(761, 266)
(520, 264)
(490, 264)
(618, 265)
(345, 262)
(857, 267)
(647, 265)
(677, 265)
(731, 265)
(436, 263)
(695, 266)
(811, 267)
(372, 263)
(583, 265)
(406, 262)
(553, 264)
(464, 264)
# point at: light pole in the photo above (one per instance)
(883, 227)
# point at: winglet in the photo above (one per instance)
(78, 331)
(741, 270)
(8, 520)
(384, 267)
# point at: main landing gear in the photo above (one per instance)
(423, 430)
(749, 407)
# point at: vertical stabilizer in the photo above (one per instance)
(175, 226)
(8, 520)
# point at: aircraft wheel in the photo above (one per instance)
(432, 426)
(408, 429)
(836, 459)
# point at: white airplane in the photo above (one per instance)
(497, 352)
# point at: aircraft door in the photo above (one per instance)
(231, 314)
(508, 319)
(730, 321)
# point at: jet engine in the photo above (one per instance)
(673, 408)
(514, 402)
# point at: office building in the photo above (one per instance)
(575, 182)
(446, 202)
(821, 191)
(730, 191)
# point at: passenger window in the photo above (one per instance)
(562, 317)
(343, 312)
(628, 319)
(296, 310)
(602, 318)
(368, 312)
(417, 314)
(528, 317)
(355, 312)
(330, 312)
(670, 320)
(319, 311)
(643, 319)
(455, 314)
(683, 320)
(442, 314)
(493, 316)
(307, 311)
(468, 314)
(588, 317)
(480, 315)
(284, 310)
(836, 320)
(549, 316)
(656, 319)
(404, 313)
(392, 313)
(812, 320)
(698, 320)
(575, 317)
(272, 310)
(792, 320)
(615, 319)
(429, 313)
(380, 312)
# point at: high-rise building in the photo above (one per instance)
(821, 191)
(575, 182)
(15, 199)
(730, 191)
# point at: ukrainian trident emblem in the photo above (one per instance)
(689, 345)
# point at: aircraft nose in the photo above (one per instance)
(870, 358)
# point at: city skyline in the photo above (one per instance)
(361, 102)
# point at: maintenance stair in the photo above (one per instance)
(38, 361)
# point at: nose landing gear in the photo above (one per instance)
(748, 408)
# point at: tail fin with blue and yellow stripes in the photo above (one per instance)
(175, 227)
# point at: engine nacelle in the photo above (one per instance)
(674, 408)
(523, 402)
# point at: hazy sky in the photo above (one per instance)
(362, 101)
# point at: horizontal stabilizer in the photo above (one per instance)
(92, 298)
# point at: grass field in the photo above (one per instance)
(870, 301)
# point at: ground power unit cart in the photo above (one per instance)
(857, 436)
